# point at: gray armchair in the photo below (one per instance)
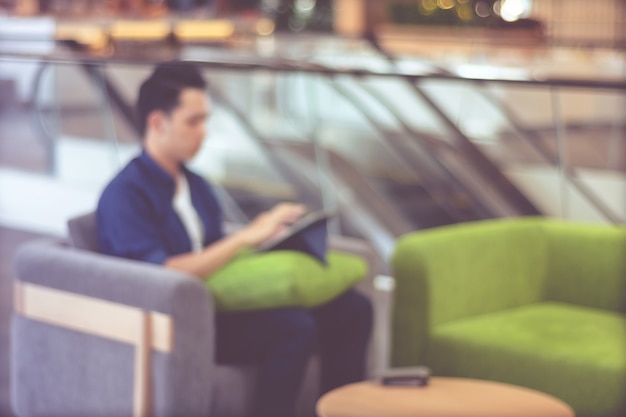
(95, 335)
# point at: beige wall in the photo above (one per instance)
(582, 20)
(577, 21)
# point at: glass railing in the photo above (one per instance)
(393, 146)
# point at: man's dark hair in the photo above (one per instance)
(161, 91)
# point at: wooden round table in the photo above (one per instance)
(443, 397)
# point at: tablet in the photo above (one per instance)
(308, 235)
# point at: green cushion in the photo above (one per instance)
(577, 354)
(283, 278)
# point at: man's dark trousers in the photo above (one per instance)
(282, 341)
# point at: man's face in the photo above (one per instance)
(184, 128)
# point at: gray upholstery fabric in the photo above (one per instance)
(58, 372)
(235, 390)
(182, 379)
(83, 232)
(64, 373)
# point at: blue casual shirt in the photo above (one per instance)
(136, 218)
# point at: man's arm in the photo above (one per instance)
(201, 264)
(213, 257)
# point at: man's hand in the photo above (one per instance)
(271, 223)
(213, 257)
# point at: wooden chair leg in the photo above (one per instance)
(143, 380)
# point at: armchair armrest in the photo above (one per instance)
(55, 264)
(67, 372)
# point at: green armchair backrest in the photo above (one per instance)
(586, 265)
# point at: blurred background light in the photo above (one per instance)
(465, 12)
(446, 4)
(512, 10)
(305, 5)
(265, 27)
(427, 7)
(203, 30)
(496, 7)
(482, 9)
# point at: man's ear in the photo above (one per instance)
(156, 121)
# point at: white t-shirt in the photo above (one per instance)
(188, 214)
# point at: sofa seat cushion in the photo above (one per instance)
(580, 351)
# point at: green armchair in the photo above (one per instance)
(533, 302)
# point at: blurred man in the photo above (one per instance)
(156, 210)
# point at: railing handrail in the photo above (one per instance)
(258, 63)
